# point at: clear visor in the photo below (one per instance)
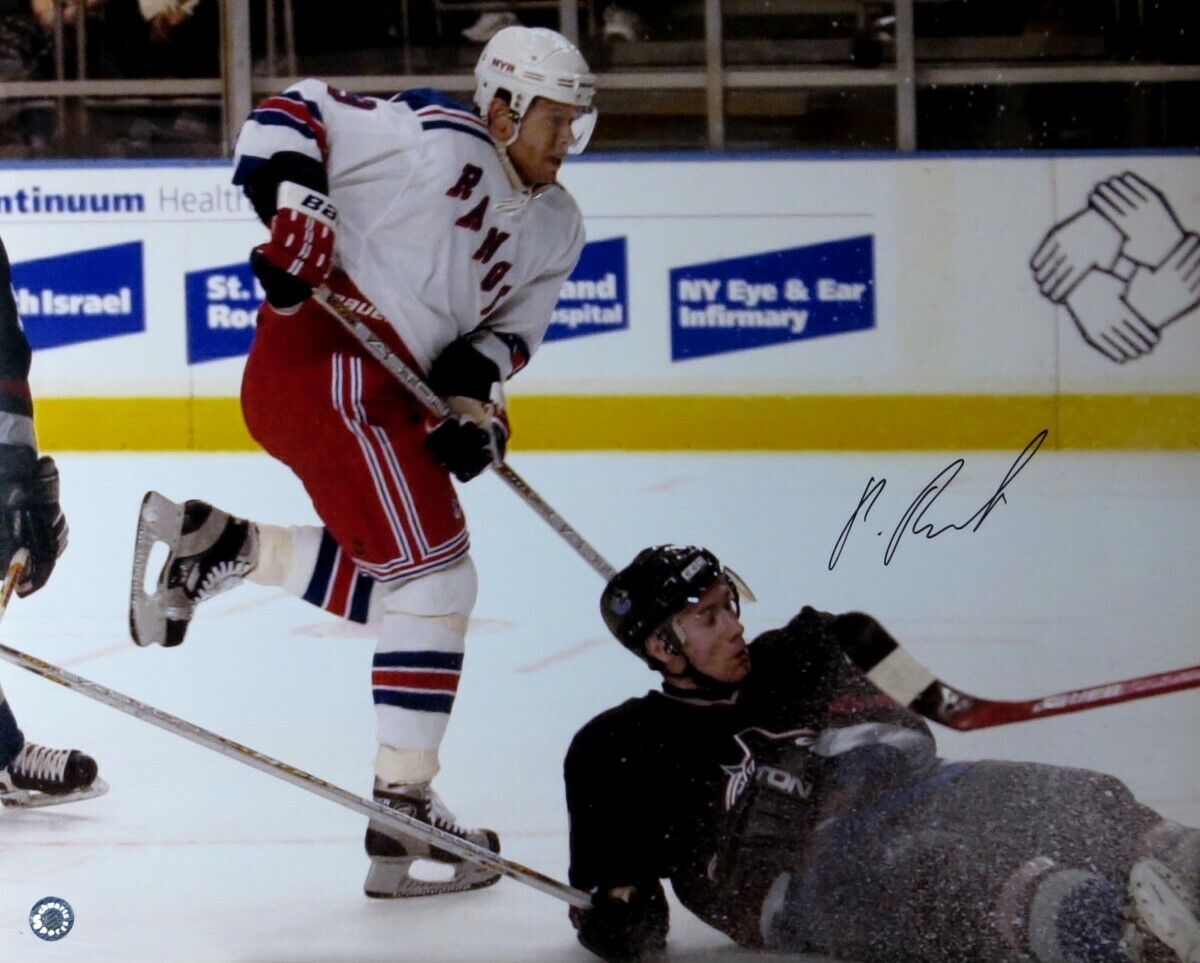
(581, 131)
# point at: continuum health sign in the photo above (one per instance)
(773, 298)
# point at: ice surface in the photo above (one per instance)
(1087, 574)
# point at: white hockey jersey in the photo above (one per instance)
(431, 226)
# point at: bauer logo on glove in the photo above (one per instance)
(299, 255)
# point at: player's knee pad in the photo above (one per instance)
(1070, 916)
(446, 596)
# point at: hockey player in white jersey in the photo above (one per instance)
(443, 226)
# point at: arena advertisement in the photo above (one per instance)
(771, 298)
(818, 278)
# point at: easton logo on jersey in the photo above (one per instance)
(765, 759)
(773, 298)
(81, 296)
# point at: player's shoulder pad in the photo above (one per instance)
(420, 97)
(438, 112)
(808, 630)
(613, 725)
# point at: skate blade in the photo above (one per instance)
(390, 878)
(160, 520)
(29, 799)
(1163, 910)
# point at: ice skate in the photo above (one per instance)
(210, 551)
(1163, 909)
(49, 777)
(392, 856)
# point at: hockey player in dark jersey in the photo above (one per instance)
(797, 808)
(30, 518)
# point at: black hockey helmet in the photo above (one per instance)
(659, 582)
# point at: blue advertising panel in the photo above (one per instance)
(773, 298)
(595, 298)
(81, 296)
(222, 311)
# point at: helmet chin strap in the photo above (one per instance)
(510, 169)
(706, 684)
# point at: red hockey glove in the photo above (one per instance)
(299, 255)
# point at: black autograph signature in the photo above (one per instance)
(914, 517)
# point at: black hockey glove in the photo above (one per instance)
(30, 515)
(283, 290)
(625, 925)
(468, 442)
(463, 370)
(476, 435)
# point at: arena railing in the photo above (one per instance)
(238, 86)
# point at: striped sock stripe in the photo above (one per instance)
(419, 701)
(426, 659)
(318, 585)
(360, 598)
(398, 679)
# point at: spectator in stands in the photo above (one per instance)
(623, 21)
(490, 23)
(26, 53)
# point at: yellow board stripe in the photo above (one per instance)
(691, 423)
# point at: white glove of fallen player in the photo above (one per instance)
(1071, 249)
(1139, 211)
(1170, 291)
(1106, 322)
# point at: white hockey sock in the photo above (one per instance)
(416, 669)
(286, 556)
(403, 767)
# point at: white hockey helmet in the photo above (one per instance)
(530, 62)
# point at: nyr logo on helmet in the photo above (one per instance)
(81, 296)
(222, 311)
(595, 298)
(773, 298)
(504, 65)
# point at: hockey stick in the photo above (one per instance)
(433, 402)
(890, 667)
(397, 821)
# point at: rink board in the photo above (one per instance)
(725, 302)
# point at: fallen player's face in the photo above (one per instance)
(543, 141)
(714, 642)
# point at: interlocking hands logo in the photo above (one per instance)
(51, 918)
(1124, 267)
